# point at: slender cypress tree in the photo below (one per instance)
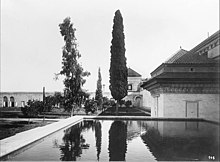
(98, 93)
(118, 69)
(71, 69)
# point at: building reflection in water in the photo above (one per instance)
(117, 141)
(173, 141)
(129, 140)
(164, 140)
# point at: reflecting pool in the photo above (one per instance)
(107, 140)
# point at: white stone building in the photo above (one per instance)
(134, 89)
(20, 99)
(187, 84)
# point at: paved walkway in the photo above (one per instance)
(30, 119)
(20, 140)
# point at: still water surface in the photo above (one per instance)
(106, 140)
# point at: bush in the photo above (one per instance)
(112, 103)
(121, 102)
(106, 102)
(33, 108)
(128, 103)
(90, 106)
(49, 103)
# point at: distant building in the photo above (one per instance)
(187, 84)
(104, 94)
(20, 99)
(134, 89)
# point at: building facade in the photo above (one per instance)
(187, 84)
(134, 89)
(20, 99)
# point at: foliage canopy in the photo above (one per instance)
(71, 69)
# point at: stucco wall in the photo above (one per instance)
(148, 100)
(22, 96)
(161, 101)
(135, 81)
(136, 98)
(157, 106)
(175, 105)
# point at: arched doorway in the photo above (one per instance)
(12, 101)
(137, 101)
(5, 101)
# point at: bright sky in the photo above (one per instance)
(31, 43)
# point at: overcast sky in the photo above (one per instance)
(31, 43)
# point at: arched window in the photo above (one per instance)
(12, 101)
(5, 101)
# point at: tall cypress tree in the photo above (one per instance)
(98, 93)
(118, 69)
(71, 69)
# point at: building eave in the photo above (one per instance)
(182, 78)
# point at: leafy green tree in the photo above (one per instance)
(71, 69)
(118, 69)
(98, 93)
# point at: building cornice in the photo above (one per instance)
(186, 89)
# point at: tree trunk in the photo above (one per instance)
(71, 114)
(116, 111)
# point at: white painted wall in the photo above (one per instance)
(135, 81)
(161, 105)
(157, 107)
(148, 100)
(175, 105)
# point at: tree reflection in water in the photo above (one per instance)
(98, 137)
(74, 141)
(117, 141)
